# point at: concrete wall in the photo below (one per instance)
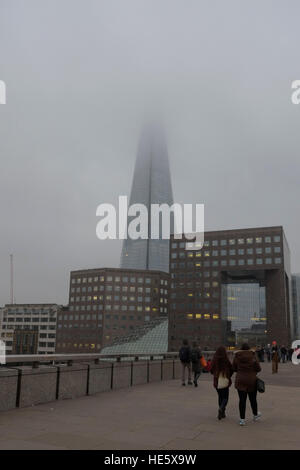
(8, 388)
(36, 385)
(27, 386)
(72, 381)
(99, 378)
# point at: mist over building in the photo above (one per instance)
(151, 185)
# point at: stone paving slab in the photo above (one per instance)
(161, 415)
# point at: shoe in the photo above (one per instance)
(183, 384)
(195, 383)
(220, 412)
(190, 383)
(242, 422)
(223, 414)
(257, 417)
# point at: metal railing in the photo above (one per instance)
(36, 360)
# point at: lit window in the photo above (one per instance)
(198, 315)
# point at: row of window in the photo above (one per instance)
(205, 316)
(124, 308)
(124, 298)
(225, 252)
(80, 345)
(225, 262)
(225, 242)
(91, 326)
(29, 311)
(125, 279)
(110, 288)
(197, 305)
(29, 320)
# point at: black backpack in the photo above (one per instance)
(184, 354)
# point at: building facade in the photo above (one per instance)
(30, 328)
(151, 185)
(204, 284)
(108, 303)
(296, 304)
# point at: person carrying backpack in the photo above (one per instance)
(185, 358)
(196, 356)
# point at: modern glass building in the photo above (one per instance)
(151, 185)
(244, 308)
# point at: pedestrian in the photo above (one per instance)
(196, 356)
(246, 366)
(290, 354)
(275, 359)
(268, 352)
(222, 371)
(185, 358)
(283, 351)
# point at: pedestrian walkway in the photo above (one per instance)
(162, 415)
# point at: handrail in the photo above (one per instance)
(36, 359)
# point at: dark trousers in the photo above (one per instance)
(196, 376)
(223, 395)
(243, 399)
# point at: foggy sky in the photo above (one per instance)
(82, 74)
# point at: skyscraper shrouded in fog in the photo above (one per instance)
(151, 185)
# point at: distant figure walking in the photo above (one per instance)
(268, 352)
(185, 358)
(196, 356)
(283, 351)
(222, 371)
(246, 366)
(275, 359)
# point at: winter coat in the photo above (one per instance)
(246, 366)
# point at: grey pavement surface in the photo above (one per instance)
(162, 415)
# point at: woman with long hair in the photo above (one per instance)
(222, 371)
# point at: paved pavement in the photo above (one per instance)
(161, 415)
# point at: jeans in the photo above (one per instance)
(186, 365)
(242, 403)
(223, 395)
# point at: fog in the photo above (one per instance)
(81, 76)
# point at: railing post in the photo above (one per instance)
(19, 384)
(131, 373)
(57, 381)
(88, 379)
(112, 376)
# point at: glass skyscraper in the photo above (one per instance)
(151, 185)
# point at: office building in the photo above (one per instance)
(204, 283)
(29, 328)
(296, 304)
(107, 303)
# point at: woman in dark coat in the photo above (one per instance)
(246, 366)
(222, 371)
